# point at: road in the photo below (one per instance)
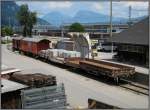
(78, 88)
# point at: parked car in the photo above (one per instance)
(107, 46)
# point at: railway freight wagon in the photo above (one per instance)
(34, 45)
(109, 69)
(16, 43)
(97, 67)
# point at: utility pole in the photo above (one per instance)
(9, 20)
(111, 25)
(62, 33)
(130, 13)
(130, 22)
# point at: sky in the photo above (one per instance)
(70, 8)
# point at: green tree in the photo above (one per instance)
(76, 27)
(6, 31)
(27, 19)
(31, 21)
(3, 33)
(22, 16)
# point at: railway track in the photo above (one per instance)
(136, 87)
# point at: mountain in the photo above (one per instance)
(82, 16)
(56, 18)
(42, 22)
(9, 11)
(85, 16)
(89, 16)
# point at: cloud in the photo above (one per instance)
(45, 7)
(137, 5)
(97, 6)
(120, 9)
(101, 7)
(50, 5)
(64, 4)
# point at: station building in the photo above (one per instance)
(100, 31)
(133, 43)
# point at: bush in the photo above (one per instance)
(6, 31)
(76, 27)
(6, 41)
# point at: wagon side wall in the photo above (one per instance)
(34, 47)
(89, 67)
(16, 44)
(42, 45)
(110, 64)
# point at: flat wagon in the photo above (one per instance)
(97, 67)
(106, 68)
(34, 45)
(73, 62)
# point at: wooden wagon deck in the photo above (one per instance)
(101, 67)
(73, 62)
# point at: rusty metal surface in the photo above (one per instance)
(34, 45)
(16, 42)
(73, 62)
(99, 65)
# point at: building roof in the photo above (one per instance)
(9, 70)
(136, 34)
(36, 39)
(5, 69)
(9, 86)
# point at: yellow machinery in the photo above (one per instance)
(94, 49)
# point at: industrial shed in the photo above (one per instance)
(34, 45)
(133, 43)
(10, 94)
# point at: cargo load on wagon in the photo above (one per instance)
(58, 55)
